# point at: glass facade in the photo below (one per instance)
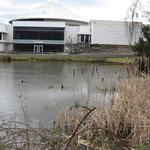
(30, 48)
(38, 33)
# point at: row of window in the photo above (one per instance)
(38, 29)
(85, 38)
(39, 35)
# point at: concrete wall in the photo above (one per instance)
(6, 44)
(10, 38)
(111, 32)
(3, 31)
(3, 47)
(86, 29)
(71, 34)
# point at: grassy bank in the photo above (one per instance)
(61, 57)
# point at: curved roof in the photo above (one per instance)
(51, 11)
(67, 21)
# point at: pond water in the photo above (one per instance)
(43, 88)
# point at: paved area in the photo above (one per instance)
(101, 52)
(110, 52)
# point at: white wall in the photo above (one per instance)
(10, 33)
(85, 29)
(10, 38)
(7, 43)
(110, 32)
(38, 24)
(1, 47)
(71, 34)
(3, 28)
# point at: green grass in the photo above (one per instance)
(59, 57)
(116, 60)
(143, 147)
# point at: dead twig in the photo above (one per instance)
(76, 130)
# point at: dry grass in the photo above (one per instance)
(125, 121)
(130, 112)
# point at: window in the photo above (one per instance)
(0, 36)
(82, 38)
(86, 38)
(27, 33)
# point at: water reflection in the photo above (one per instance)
(46, 87)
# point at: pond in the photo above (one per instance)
(44, 88)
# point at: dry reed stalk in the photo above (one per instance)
(126, 118)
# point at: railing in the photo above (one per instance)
(58, 42)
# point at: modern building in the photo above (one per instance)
(53, 27)
(44, 35)
(113, 33)
(40, 35)
(48, 28)
(56, 35)
(6, 39)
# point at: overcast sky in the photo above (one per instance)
(87, 9)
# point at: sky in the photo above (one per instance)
(86, 9)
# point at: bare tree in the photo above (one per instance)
(131, 19)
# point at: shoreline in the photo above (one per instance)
(13, 57)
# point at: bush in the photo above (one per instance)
(142, 50)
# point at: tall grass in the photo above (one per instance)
(129, 114)
(125, 121)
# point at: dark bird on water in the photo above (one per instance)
(82, 71)
(102, 80)
(73, 72)
(62, 86)
(23, 81)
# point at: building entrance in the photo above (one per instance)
(38, 49)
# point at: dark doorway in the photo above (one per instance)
(86, 38)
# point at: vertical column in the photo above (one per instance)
(90, 38)
(2, 36)
(79, 38)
